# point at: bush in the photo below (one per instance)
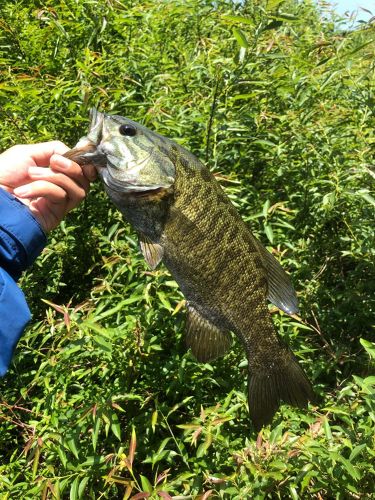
(102, 401)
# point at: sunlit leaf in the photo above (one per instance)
(146, 485)
(240, 37)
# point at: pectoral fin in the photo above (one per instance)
(280, 289)
(152, 252)
(207, 342)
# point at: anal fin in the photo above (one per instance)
(207, 342)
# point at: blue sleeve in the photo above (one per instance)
(21, 241)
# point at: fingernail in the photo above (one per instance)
(36, 171)
(64, 163)
(21, 191)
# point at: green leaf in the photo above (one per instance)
(269, 232)
(163, 444)
(284, 16)
(95, 432)
(328, 200)
(327, 429)
(154, 419)
(203, 447)
(369, 347)
(93, 460)
(36, 461)
(367, 197)
(273, 25)
(146, 485)
(115, 425)
(71, 444)
(62, 455)
(360, 47)
(265, 208)
(276, 434)
(82, 486)
(293, 493)
(240, 37)
(353, 472)
(239, 19)
(118, 307)
(356, 451)
(73, 495)
(247, 97)
(265, 144)
(106, 346)
(272, 4)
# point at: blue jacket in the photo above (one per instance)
(21, 241)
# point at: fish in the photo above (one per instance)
(184, 219)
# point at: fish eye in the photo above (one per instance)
(128, 130)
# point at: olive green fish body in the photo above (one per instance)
(214, 258)
(185, 219)
(210, 252)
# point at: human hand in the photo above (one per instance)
(49, 184)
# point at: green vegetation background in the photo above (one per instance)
(102, 401)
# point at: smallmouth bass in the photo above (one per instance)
(184, 219)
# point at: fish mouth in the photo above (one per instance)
(129, 186)
(87, 148)
(96, 126)
(94, 116)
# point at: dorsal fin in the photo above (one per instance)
(207, 342)
(280, 289)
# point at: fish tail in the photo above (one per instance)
(282, 382)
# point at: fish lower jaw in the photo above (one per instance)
(128, 188)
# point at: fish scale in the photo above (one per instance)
(185, 220)
(218, 263)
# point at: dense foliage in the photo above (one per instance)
(102, 401)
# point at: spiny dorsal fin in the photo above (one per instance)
(152, 252)
(280, 289)
(207, 342)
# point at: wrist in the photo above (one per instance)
(22, 237)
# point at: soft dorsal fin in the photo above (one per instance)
(207, 342)
(280, 289)
(152, 252)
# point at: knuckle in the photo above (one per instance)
(17, 148)
(58, 144)
(59, 147)
(76, 197)
(82, 194)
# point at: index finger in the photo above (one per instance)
(41, 153)
(70, 168)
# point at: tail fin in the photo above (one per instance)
(285, 382)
